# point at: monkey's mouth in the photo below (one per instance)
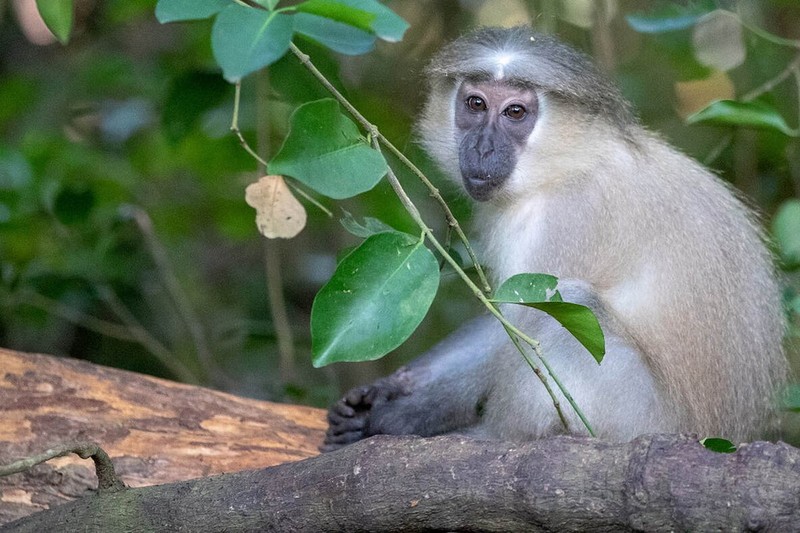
(482, 187)
(484, 169)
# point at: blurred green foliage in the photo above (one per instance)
(124, 235)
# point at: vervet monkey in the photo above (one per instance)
(567, 182)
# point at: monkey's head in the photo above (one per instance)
(511, 109)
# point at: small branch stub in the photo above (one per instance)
(107, 480)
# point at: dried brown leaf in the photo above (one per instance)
(278, 213)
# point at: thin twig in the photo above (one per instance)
(767, 36)
(158, 350)
(272, 251)
(77, 317)
(767, 86)
(434, 192)
(235, 126)
(718, 148)
(538, 371)
(107, 479)
(170, 281)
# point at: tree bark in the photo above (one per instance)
(161, 432)
(156, 431)
(653, 483)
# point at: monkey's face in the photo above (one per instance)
(493, 121)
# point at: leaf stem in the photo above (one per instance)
(235, 126)
(308, 197)
(260, 160)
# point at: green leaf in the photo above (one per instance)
(786, 232)
(539, 291)
(387, 24)
(670, 17)
(175, 10)
(245, 39)
(57, 15)
(325, 150)
(333, 10)
(718, 445)
(376, 298)
(756, 114)
(337, 36)
(528, 288)
(370, 227)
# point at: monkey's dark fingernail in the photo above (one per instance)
(347, 425)
(341, 409)
(344, 438)
(356, 396)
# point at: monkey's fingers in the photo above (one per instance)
(342, 424)
(342, 410)
(359, 397)
(334, 442)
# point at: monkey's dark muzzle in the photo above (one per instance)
(482, 188)
(485, 163)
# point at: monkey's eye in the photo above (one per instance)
(515, 112)
(476, 103)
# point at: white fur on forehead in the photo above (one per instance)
(523, 57)
(502, 59)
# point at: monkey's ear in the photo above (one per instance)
(540, 292)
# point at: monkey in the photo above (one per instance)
(566, 181)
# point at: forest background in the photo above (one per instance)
(124, 235)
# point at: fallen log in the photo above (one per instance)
(156, 431)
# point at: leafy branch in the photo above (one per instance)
(375, 134)
(381, 291)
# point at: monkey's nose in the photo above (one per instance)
(485, 149)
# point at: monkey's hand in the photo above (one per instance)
(368, 410)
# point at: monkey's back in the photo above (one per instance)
(715, 331)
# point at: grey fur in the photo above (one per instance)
(674, 265)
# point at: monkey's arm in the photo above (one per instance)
(441, 391)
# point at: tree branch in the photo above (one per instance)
(653, 483)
